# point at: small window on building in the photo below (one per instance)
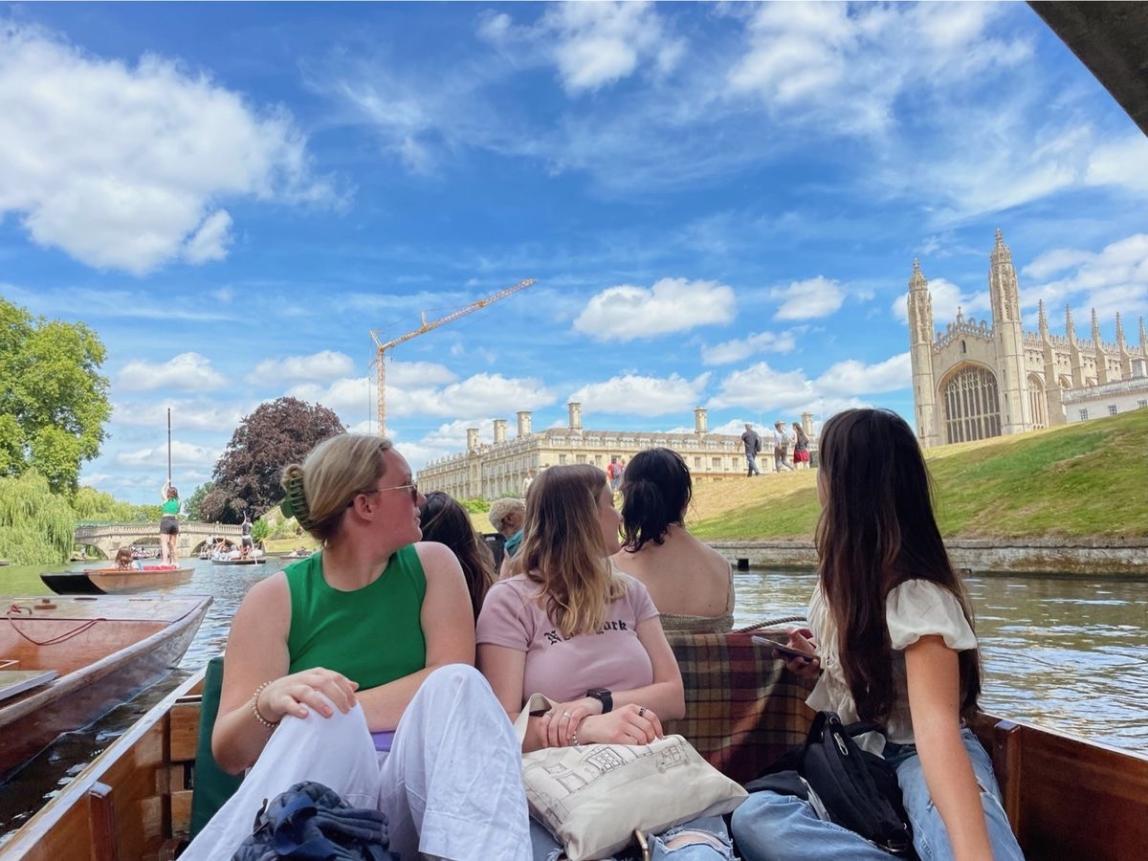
(579, 458)
(561, 460)
(717, 463)
(1084, 415)
(698, 460)
(597, 460)
(1112, 409)
(964, 348)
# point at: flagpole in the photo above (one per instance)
(169, 446)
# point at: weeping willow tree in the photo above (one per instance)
(35, 524)
(93, 505)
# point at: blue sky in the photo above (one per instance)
(720, 204)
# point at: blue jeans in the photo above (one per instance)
(773, 827)
(546, 848)
(751, 465)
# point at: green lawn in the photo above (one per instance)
(1083, 479)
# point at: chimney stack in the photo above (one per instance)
(701, 421)
(472, 440)
(807, 424)
(499, 431)
(575, 409)
(525, 423)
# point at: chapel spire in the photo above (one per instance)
(1042, 321)
(1069, 328)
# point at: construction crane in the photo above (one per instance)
(382, 346)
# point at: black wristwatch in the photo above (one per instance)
(603, 696)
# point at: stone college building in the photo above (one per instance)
(980, 379)
(492, 470)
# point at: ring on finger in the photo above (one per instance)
(565, 715)
(641, 711)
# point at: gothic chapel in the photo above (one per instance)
(975, 380)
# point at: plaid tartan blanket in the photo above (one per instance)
(743, 709)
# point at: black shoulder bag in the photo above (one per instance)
(845, 784)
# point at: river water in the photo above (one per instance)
(1063, 652)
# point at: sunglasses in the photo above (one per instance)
(412, 487)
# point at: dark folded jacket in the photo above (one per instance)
(310, 822)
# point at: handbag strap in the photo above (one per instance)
(535, 702)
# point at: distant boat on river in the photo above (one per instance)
(116, 581)
(68, 661)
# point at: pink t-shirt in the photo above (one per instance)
(614, 658)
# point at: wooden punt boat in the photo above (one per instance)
(71, 660)
(261, 560)
(1065, 797)
(114, 581)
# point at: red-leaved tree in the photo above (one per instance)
(247, 474)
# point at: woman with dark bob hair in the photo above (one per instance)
(892, 643)
(354, 668)
(690, 583)
(444, 520)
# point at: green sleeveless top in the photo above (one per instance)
(372, 635)
(170, 506)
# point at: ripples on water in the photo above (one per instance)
(1067, 653)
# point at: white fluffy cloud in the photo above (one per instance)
(627, 313)
(600, 43)
(735, 350)
(844, 67)
(189, 414)
(316, 367)
(477, 395)
(844, 384)
(187, 371)
(120, 165)
(591, 44)
(182, 454)
(631, 394)
(808, 299)
(947, 298)
(1110, 280)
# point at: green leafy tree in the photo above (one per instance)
(247, 475)
(194, 505)
(36, 525)
(53, 400)
(260, 530)
(93, 506)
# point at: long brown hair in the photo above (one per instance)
(876, 531)
(563, 551)
(444, 520)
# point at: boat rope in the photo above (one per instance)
(17, 610)
(769, 623)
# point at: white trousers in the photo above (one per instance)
(451, 787)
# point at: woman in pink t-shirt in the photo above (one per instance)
(586, 636)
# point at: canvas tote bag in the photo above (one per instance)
(593, 797)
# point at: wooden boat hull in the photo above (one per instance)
(112, 582)
(260, 561)
(1066, 798)
(134, 641)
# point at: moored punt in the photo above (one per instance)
(1065, 797)
(113, 581)
(261, 560)
(102, 651)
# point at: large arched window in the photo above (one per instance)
(1037, 401)
(971, 404)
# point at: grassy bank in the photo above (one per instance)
(1088, 479)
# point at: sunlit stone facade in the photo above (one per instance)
(498, 468)
(983, 379)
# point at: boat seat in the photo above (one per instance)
(213, 786)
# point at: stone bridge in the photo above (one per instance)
(109, 537)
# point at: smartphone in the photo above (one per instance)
(781, 651)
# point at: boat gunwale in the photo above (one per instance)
(89, 673)
(28, 835)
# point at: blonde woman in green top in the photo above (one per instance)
(354, 668)
(169, 524)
